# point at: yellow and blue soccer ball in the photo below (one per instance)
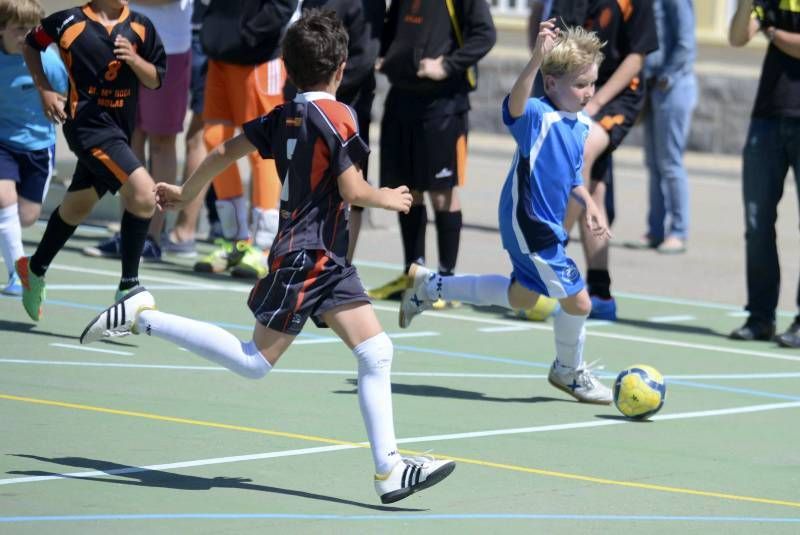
(639, 391)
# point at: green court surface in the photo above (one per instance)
(139, 436)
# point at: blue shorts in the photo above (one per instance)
(548, 272)
(31, 170)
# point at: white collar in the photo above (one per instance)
(316, 95)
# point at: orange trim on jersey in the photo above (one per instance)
(339, 211)
(139, 29)
(339, 116)
(626, 6)
(461, 159)
(72, 92)
(610, 121)
(312, 277)
(320, 161)
(110, 164)
(70, 34)
(109, 27)
(634, 85)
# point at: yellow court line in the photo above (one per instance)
(476, 462)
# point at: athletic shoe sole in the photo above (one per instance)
(433, 478)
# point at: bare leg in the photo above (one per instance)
(186, 223)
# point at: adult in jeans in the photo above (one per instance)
(772, 146)
(671, 96)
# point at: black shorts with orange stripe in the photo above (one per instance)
(300, 285)
(617, 118)
(105, 167)
(425, 155)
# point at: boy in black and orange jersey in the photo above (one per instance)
(108, 51)
(315, 144)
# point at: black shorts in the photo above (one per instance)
(617, 118)
(426, 155)
(300, 285)
(105, 167)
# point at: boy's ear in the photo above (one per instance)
(340, 71)
(549, 82)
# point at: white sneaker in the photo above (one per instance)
(410, 475)
(120, 318)
(580, 383)
(416, 298)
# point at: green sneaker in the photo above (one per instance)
(122, 293)
(392, 289)
(218, 260)
(251, 262)
(33, 290)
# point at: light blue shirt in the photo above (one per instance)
(23, 126)
(546, 167)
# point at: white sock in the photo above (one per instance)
(233, 218)
(473, 289)
(10, 236)
(375, 399)
(207, 340)
(265, 227)
(570, 334)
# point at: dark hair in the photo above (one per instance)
(314, 47)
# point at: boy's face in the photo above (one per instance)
(13, 37)
(572, 91)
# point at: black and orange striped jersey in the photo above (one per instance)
(313, 140)
(102, 89)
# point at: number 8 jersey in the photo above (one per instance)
(103, 90)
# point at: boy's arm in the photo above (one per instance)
(145, 71)
(743, 26)
(355, 190)
(594, 218)
(172, 196)
(52, 101)
(521, 90)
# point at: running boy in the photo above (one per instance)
(27, 138)
(316, 147)
(550, 133)
(109, 50)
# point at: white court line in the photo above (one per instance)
(628, 338)
(504, 329)
(526, 376)
(332, 339)
(671, 319)
(92, 349)
(422, 439)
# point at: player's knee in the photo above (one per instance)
(255, 365)
(375, 353)
(29, 214)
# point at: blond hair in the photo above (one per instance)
(575, 48)
(22, 12)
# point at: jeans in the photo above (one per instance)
(772, 147)
(666, 128)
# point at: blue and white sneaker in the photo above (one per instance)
(183, 249)
(410, 475)
(151, 252)
(417, 299)
(603, 309)
(110, 248)
(14, 286)
(580, 383)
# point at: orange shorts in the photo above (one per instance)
(236, 94)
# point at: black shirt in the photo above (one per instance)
(313, 139)
(103, 90)
(779, 87)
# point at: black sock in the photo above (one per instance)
(412, 227)
(599, 283)
(55, 236)
(448, 232)
(132, 232)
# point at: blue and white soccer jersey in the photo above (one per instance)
(533, 202)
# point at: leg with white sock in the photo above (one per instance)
(248, 359)
(10, 235)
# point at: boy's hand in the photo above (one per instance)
(546, 38)
(397, 199)
(168, 196)
(125, 51)
(53, 106)
(596, 221)
(432, 68)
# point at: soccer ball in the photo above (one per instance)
(639, 391)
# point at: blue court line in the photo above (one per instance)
(485, 358)
(400, 517)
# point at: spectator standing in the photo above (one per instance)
(671, 98)
(771, 148)
(429, 51)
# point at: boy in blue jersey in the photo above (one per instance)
(550, 133)
(315, 143)
(27, 137)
